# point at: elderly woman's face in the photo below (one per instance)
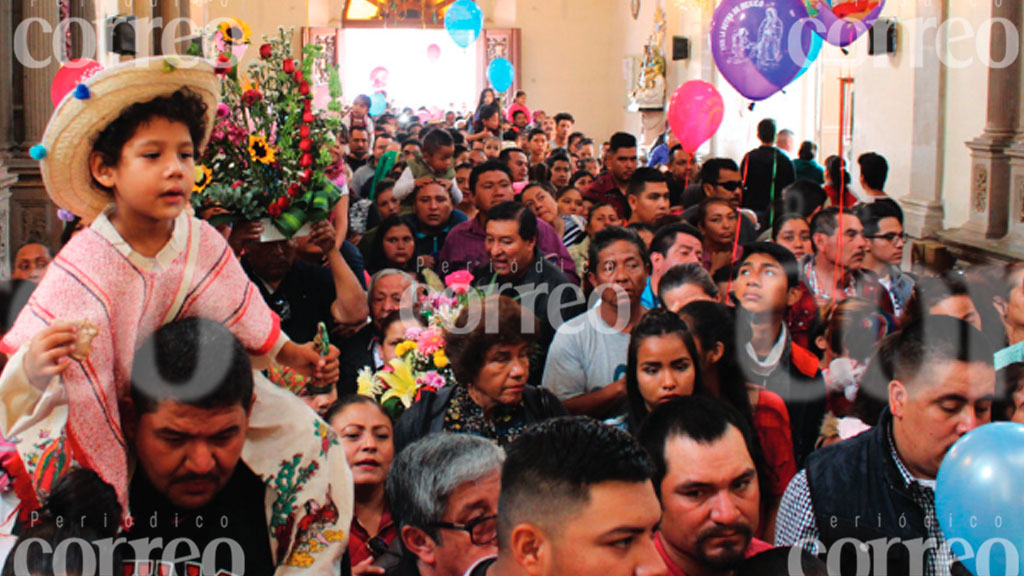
(503, 375)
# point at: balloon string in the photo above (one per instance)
(771, 192)
(838, 269)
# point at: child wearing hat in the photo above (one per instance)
(119, 150)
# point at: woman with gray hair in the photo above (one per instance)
(490, 351)
(444, 491)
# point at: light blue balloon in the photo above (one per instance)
(501, 73)
(979, 499)
(812, 54)
(463, 21)
(378, 104)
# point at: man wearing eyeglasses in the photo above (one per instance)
(721, 178)
(883, 229)
(443, 491)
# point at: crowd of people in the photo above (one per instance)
(703, 366)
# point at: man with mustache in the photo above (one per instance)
(839, 244)
(706, 473)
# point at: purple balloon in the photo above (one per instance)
(844, 21)
(761, 46)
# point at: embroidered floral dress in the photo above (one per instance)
(466, 416)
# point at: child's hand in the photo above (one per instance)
(48, 353)
(420, 182)
(305, 360)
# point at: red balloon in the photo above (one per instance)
(70, 75)
(695, 113)
(433, 52)
(379, 77)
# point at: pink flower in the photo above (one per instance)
(223, 111)
(459, 281)
(430, 341)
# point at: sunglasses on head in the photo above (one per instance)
(731, 186)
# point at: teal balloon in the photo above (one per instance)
(378, 104)
(812, 54)
(979, 501)
(464, 21)
(501, 73)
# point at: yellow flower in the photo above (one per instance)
(401, 383)
(366, 384)
(404, 347)
(440, 359)
(203, 177)
(234, 31)
(260, 151)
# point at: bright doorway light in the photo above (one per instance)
(413, 80)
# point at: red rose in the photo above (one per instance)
(304, 131)
(306, 177)
(265, 51)
(288, 66)
(306, 161)
(223, 58)
(223, 65)
(293, 190)
(284, 203)
(237, 184)
(251, 97)
(299, 76)
(305, 144)
(307, 117)
(304, 89)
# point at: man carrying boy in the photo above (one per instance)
(434, 164)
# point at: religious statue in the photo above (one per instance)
(649, 91)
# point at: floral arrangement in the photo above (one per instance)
(421, 361)
(421, 364)
(269, 150)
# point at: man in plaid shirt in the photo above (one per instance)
(881, 484)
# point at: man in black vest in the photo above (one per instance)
(881, 484)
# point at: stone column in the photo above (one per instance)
(1015, 235)
(990, 164)
(6, 79)
(923, 206)
(38, 79)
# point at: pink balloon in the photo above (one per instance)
(433, 52)
(379, 77)
(70, 75)
(695, 113)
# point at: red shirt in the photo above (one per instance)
(604, 190)
(771, 420)
(359, 538)
(756, 547)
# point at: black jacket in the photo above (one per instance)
(427, 415)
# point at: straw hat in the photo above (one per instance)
(94, 104)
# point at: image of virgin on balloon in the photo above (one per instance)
(760, 46)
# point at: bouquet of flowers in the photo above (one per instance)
(421, 364)
(269, 150)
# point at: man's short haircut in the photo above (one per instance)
(641, 177)
(874, 169)
(551, 468)
(611, 235)
(518, 112)
(684, 274)
(424, 475)
(364, 100)
(515, 212)
(564, 116)
(873, 213)
(536, 132)
(702, 419)
(358, 128)
(435, 140)
(489, 166)
(585, 141)
(666, 236)
(934, 340)
(807, 150)
(557, 156)
(381, 274)
(639, 227)
(803, 197)
(827, 221)
(776, 252)
(505, 155)
(195, 361)
(766, 131)
(712, 169)
(413, 142)
(464, 166)
(620, 140)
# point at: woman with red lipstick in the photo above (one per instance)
(662, 364)
(367, 436)
(489, 350)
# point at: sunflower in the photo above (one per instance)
(260, 151)
(234, 31)
(203, 177)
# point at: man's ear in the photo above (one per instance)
(1001, 306)
(898, 398)
(656, 259)
(101, 172)
(419, 544)
(530, 548)
(793, 296)
(633, 200)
